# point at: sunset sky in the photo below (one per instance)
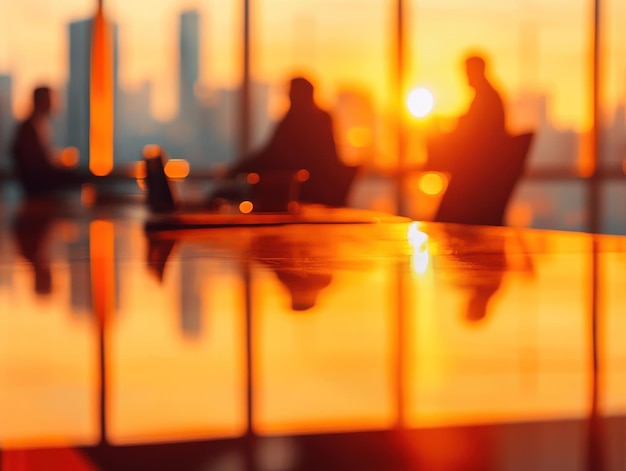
(533, 46)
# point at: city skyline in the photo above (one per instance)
(204, 129)
(529, 50)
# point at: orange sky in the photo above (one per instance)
(340, 43)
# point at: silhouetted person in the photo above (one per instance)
(485, 118)
(481, 128)
(300, 265)
(484, 162)
(304, 139)
(32, 152)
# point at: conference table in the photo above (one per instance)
(344, 340)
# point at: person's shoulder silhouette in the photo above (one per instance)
(303, 139)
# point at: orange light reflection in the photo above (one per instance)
(101, 248)
(432, 183)
(177, 168)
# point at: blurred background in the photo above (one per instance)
(179, 74)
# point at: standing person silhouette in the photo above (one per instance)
(32, 152)
(304, 139)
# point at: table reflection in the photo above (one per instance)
(342, 331)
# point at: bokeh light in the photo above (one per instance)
(431, 183)
(420, 102)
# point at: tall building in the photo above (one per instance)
(189, 65)
(80, 33)
(135, 126)
(6, 118)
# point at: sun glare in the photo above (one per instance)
(420, 102)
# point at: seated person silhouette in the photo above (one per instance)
(32, 153)
(484, 162)
(303, 139)
(483, 124)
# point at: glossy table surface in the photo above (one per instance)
(381, 345)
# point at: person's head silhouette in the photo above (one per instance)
(301, 92)
(304, 286)
(475, 66)
(42, 101)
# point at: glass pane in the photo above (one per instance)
(613, 89)
(537, 59)
(549, 205)
(167, 348)
(34, 51)
(613, 217)
(324, 41)
(613, 95)
(48, 334)
(178, 70)
(323, 329)
(460, 369)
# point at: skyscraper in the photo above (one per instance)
(80, 33)
(6, 118)
(189, 65)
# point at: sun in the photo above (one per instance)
(420, 102)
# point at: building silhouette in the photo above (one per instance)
(6, 119)
(189, 61)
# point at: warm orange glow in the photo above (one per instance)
(253, 178)
(69, 157)
(420, 102)
(140, 169)
(88, 195)
(245, 207)
(586, 166)
(101, 248)
(520, 215)
(151, 151)
(432, 183)
(177, 168)
(302, 175)
(101, 98)
(359, 136)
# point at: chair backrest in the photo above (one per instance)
(480, 194)
(161, 196)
